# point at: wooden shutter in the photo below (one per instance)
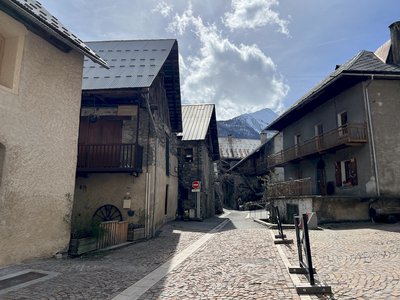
(353, 172)
(338, 174)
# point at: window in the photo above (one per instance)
(2, 43)
(319, 131)
(2, 157)
(297, 140)
(342, 122)
(166, 200)
(167, 168)
(346, 173)
(12, 35)
(188, 154)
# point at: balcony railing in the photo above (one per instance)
(110, 158)
(347, 135)
(298, 187)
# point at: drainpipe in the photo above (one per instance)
(371, 132)
(153, 123)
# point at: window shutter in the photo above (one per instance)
(338, 174)
(353, 171)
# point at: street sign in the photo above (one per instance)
(196, 185)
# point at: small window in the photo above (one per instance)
(297, 139)
(342, 118)
(346, 173)
(167, 168)
(319, 129)
(342, 122)
(2, 158)
(12, 35)
(166, 200)
(2, 43)
(188, 154)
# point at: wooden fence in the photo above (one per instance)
(112, 233)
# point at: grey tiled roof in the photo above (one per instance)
(133, 64)
(196, 121)
(365, 62)
(234, 148)
(32, 12)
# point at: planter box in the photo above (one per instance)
(82, 245)
(135, 234)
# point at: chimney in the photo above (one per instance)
(263, 136)
(395, 41)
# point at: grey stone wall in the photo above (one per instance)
(200, 169)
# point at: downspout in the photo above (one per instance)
(371, 132)
(147, 97)
(147, 187)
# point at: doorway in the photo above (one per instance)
(321, 178)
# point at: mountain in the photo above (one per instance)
(246, 126)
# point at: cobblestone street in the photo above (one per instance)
(359, 261)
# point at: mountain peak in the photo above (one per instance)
(248, 125)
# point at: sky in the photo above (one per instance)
(242, 55)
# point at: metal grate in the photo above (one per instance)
(22, 279)
(13, 281)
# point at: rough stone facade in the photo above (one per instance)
(200, 167)
(39, 118)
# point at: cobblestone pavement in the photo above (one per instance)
(106, 274)
(359, 260)
(240, 262)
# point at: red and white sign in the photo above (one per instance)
(196, 186)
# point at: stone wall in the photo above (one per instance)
(201, 168)
(327, 209)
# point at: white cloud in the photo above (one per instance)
(163, 8)
(238, 78)
(251, 14)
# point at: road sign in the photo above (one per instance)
(196, 185)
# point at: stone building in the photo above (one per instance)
(40, 91)
(198, 152)
(244, 182)
(127, 154)
(341, 141)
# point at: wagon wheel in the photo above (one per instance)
(106, 213)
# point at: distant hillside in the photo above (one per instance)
(247, 126)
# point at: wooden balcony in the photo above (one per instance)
(298, 187)
(109, 158)
(347, 135)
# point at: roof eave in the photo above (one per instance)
(24, 15)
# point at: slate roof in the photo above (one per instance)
(197, 121)
(364, 63)
(133, 63)
(234, 148)
(42, 22)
